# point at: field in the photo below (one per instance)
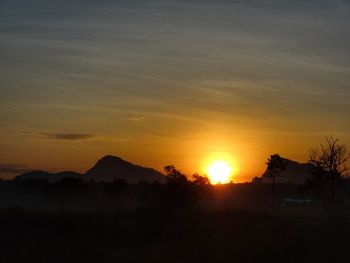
(74, 221)
(173, 235)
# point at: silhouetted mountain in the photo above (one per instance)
(50, 177)
(111, 168)
(297, 173)
(33, 175)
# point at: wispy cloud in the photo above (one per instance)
(136, 119)
(69, 136)
(6, 168)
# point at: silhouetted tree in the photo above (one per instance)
(174, 175)
(200, 180)
(275, 165)
(179, 191)
(330, 161)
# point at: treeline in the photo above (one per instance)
(75, 194)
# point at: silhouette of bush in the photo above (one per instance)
(174, 176)
(200, 180)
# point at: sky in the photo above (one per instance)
(171, 82)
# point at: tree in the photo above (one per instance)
(200, 180)
(179, 191)
(275, 165)
(174, 175)
(330, 161)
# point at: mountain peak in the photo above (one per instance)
(111, 159)
(110, 168)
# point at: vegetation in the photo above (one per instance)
(168, 235)
(330, 160)
(275, 165)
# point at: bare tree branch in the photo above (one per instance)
(332, 157)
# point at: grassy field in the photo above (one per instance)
(173, 235)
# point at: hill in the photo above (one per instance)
(46, 176)
(297, 173)
(111, 168)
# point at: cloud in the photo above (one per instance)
(69, 136)
(57, 135)
(136, 119)
(66, 136)
(12, 169)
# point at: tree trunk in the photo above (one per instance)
(333, 191)
(274, 192)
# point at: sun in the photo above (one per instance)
(219, 172)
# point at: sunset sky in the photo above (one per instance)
(175, 82)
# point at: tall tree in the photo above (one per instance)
(331, 159)
(275, 165)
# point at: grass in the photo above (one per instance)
(172, 235)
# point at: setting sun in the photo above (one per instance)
(219, 172)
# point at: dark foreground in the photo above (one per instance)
(173, 235)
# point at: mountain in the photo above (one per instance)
(50, 177)
(33, 175)
(110, 168)
(297, 173)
